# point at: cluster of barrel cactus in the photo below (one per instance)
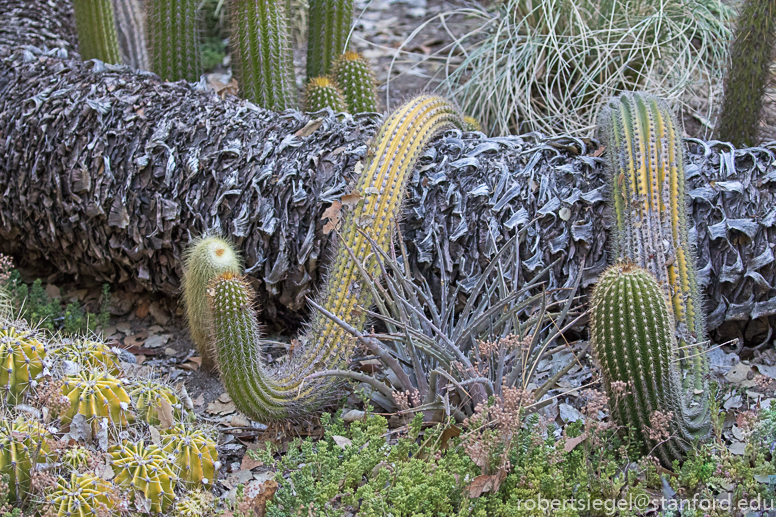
(80, 389)
(349, 87)
(647, 328)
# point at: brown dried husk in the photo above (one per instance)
(108, 173)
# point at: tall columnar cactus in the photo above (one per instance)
(82, 495)
(195, 454)
(145, 469)
(21, 361)
(22, 445)
(173, 39)
(330, 22)
(206, 257)
(96, 28)
(286, 392)
(263, 62)
(321, 93)
(97, 395)
(632, 333)
(751, 54)
(651, 231)
(355, 78)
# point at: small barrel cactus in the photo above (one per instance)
(355, 78)
(97, 395)
(194, 454)
(322, 93)
(471, 124)
(198, 504)
(148, 395)
(22, 445)
(77, 458)
(88, 354)
(83, 495)
(21, 361)
(146, 469)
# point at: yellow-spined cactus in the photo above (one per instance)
(22, 445)
(148, 396)
(88, 354)
(146, 469)
(82, 495)
(194, 454)
(21, 361)
(198, 504)
(97, 395)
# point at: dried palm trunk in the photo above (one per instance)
(109, 173)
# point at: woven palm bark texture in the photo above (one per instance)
(108, 173)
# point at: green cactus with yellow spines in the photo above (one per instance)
(96, 27)
(354, 76)
(22, 358)
(96, 395)
(328, 32)
(263, 62)
(205, 258)
(23, 444)
(471, 124)
(287, 393)
(196, 457)
(322, 93)
(173, 28)
(82, 495)
(145, 469)
(148, 395)
(88, 354)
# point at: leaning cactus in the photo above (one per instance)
(651, 231)
(354, 76)
(87, 354)
(328, 34)
(97, 395)
(322, 93)
(22, 445)
(269, 395)
(206, 257)
(148, 396)
(263, 63)
(145, 469)
(96, 29)
(173, 39)
(751, 55)
(21, 361)
(195, 454)
(83, 495)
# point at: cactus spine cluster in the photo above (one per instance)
(97, 395)
(283, 393)
(751, 55)
(205, 258)
(83, 495)
(145, 469)
(96, 28)
(22, 446)
(195, 454)
(173, 38)
(354, 76)
(21, 361)
(263, 62)
(651, 231)
(321, 93)
(327, 38)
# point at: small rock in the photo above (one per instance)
(737, 448)
(352, 416)
(155, 329)
(768, 371)
(732, 402)
(238, 478)
(142, 309)
(416, 12)
(159, 315)
(123, 327)
(737, 434)
(157, 340)
(341, 441)
(570, 414)
(739, 373)
(53, 292)
(170, 352)
(109, 331)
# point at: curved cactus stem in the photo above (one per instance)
(96, 26)
(286, 392)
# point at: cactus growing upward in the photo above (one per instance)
(263, 63)
(751, 54)
(173, 39)
(322, 93)
(355, 78)
(328, 33)
(651, 231)
(96, 26)
(285, 393)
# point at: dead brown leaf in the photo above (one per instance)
(165, 413)
(332, 214)
(199, 401)
(573, 442)
(249, 463)
(450, 432)
(485, 483)
(310, 128)
(351, 200)
(267, 492)
(479, 454)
